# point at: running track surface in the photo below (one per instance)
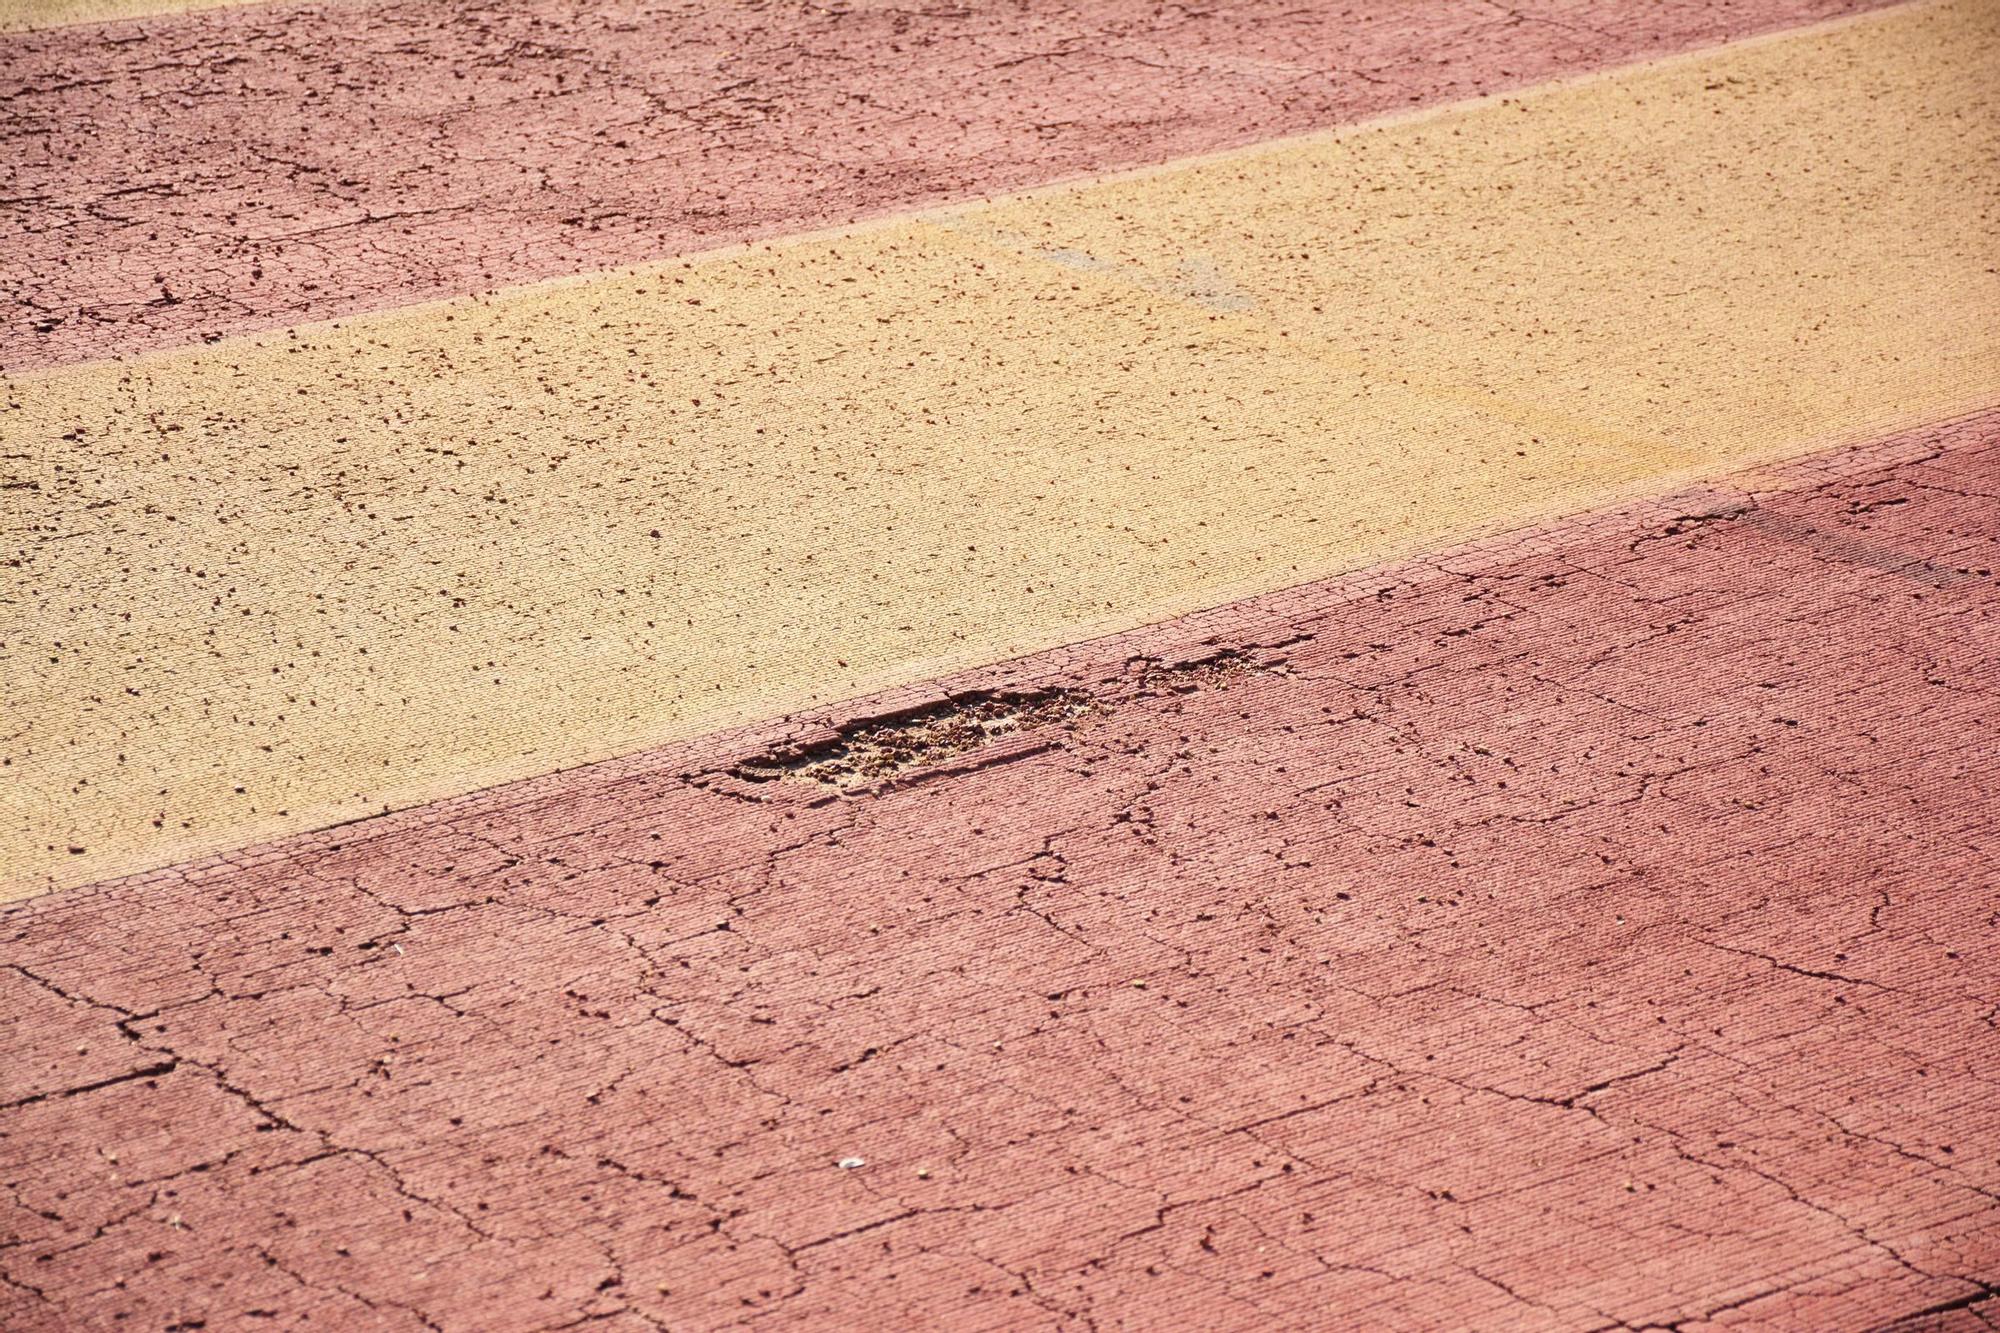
(1539, 873)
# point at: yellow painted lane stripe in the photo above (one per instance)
(273, 583)
(24, 15)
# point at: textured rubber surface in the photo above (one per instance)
(277, 583)
(1590, 929)
(248, 168)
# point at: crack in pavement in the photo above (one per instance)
(1491, 939)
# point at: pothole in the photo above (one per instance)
(873, 749)
(876, 749)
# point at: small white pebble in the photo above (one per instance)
(849, 1163)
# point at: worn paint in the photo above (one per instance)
(27, 15)
(309, 161)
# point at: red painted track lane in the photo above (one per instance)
(187, 176)
(1595, 928)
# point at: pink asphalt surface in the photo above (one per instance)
(181, 177)
(1594, 928)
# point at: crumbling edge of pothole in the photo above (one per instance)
(958, 731)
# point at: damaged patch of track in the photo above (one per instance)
(882, 747)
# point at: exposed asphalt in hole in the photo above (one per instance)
(881, 747)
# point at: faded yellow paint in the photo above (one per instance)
(23, 15)
(276, 582)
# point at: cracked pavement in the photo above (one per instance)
(1510, 841)
(1592, 927)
